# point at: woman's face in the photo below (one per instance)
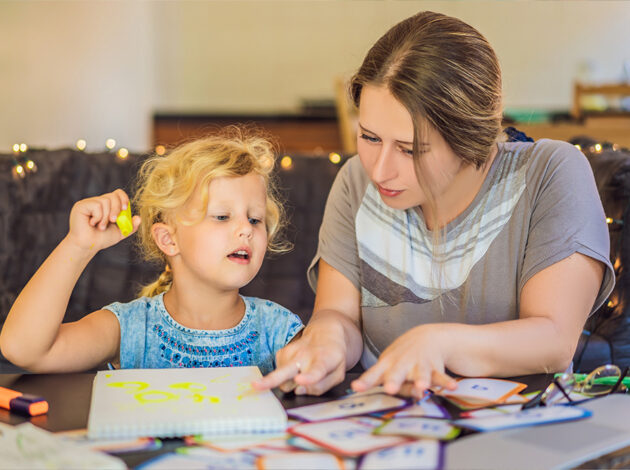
(385, 143)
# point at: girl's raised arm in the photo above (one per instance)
(33, 336)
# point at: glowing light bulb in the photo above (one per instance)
(16, 148)
(31, 166)
(334, 157)
(578, 146)
(18, 172)
(160, 150)
(609, 220)
(286, 162)
(598, 147)
(23, 148)
(122, 153)
(110, 143)
(81, 144)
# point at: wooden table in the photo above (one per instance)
(69, 398)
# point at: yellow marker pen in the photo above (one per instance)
(124, 221)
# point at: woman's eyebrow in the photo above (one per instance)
(398, 141)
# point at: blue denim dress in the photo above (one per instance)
(150, 338)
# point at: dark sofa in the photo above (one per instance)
(34, 214)
(34, 218)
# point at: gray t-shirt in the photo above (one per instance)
(537, 205)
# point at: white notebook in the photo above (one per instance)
(180, 402)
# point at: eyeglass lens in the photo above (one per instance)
(554, 394)
(601, 380)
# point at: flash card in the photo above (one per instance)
(351, 406)
(115, 446)
(426, 409)
(500, 410)
(234, 442)
(293, 460)
(427, 454)
(303, 444)
(478, 392)
(369, 391)
(198, 458)
(418, 428)
(349, 437)
(532, 416)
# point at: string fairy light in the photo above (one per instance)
(22, 165)
(110, 144)
(334, 157)
(81, 144)
(286, 162)
(31, 166)
(18, 171)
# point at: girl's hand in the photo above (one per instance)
(310, 365)
(418, 357)
(93, 221)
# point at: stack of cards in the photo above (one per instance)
(482, 393)
(369, 431)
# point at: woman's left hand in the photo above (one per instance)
(416, 359)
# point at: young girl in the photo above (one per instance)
(207, 213)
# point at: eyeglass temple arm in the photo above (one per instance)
(562, 390)
(622, 376)
(534, 402)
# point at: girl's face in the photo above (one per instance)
(385, 143)
(226, 248)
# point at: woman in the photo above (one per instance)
(443, 248)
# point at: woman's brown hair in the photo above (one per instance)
(443, 70)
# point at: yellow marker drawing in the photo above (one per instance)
(131, 387)
(220, 379)
(198, 398)
(189, 386)
(155, 396)
(124, 221)
(247, 393)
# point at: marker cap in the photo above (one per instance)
(29, 405)
(124, 221)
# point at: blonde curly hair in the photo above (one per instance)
(166, 183)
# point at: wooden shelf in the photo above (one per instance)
(293, 133)
(613, 129)
(582, 89)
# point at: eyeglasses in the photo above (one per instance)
(602, 381)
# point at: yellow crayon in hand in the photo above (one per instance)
(124, 221)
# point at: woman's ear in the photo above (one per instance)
(164, 237)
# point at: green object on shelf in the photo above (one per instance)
(528, 115)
